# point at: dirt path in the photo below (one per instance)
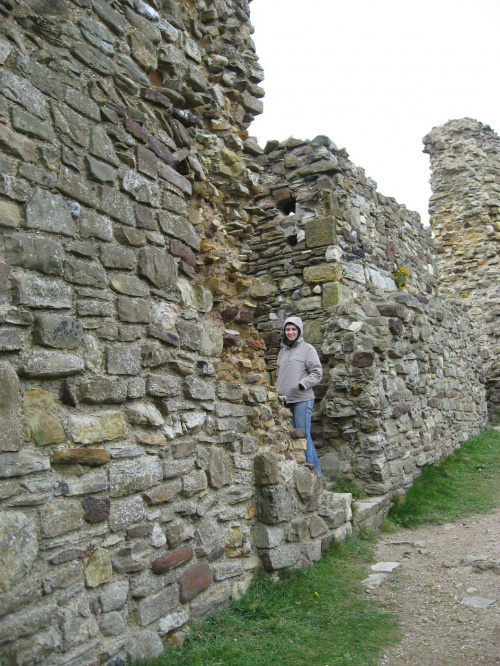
(446, 591)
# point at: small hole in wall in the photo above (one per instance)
(292, 240)
(287, 207)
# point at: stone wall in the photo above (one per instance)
(149, 252)
(465, 217)
(400, 388)
(146, 469)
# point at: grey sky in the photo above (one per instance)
(376, 76)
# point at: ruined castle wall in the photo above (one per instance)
(465, 217)
(400, 389)
(143, 475)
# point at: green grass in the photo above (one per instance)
(319, 615)
(463, 484)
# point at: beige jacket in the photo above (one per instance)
(298, 364)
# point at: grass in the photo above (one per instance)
(463, 484)
(319, 615)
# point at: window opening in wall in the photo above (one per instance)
(287, 207)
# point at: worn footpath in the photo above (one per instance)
(443, 582)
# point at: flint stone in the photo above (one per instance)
(158, 267)
(305, 482)
(363, 359)
(113, 623)
(117, 206)
(219, 469)
(113, 256)
(45, 364)
(183, 449)
(208, 601)
(10, 439)
(18, 548)
(132, 558)
(165, 492)
(34, 253)
(190, 335)
(41, 419)
(92, 57)
(123, 360)
(97, 390)
(114, 596)
(380, 281)
(58, 331)
(86, 273)
(281, 557)
(100, 171)
(27, 123)
(49, 212)
(267, 537)
(263, 287)
(163, 386)
(130, 285)
(317, 526)
(125, 512)
(21, 463)
(106, 426)
(392, 310)
(228, 391)
(91, 482)
(154, 607)
(195, 296)
(12, 339)
(194, 580)
(177, 226)
(26, 623)
(142, 189)
(60, 517)
(134, 310)
(171, 622)
(96, 509)
(98, 35)
(35, 292)
(228, 570)
(98, 570)
(19, 90)
(194, 483)
(22, 594)
(167, 173)
(266, 468)
(144, 645)
(276, 504)
(209, 536)
(171, 560)
(131, 476)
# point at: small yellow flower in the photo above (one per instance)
(401, 275)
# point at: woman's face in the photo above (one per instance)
(291, 332)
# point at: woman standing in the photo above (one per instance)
(298, 370)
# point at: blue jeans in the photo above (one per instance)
(301, 418)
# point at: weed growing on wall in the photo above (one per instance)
(401, 276)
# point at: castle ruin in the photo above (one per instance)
(150, 252)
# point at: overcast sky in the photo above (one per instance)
(376, 76)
